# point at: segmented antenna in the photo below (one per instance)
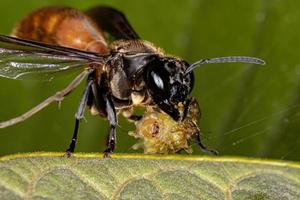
(241, 59)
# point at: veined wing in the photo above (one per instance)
(22, 59)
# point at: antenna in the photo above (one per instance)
(241, 59)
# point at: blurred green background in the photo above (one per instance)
(246, 110)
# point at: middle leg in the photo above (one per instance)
(113, 121)
(79, 116)
(103, 102)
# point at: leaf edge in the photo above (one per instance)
(244, 160)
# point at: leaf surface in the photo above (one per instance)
(125, 176)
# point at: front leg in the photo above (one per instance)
(113, 121)
(203, 148)
(128, 114)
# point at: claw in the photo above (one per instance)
(107, 153)
(210, 151)
(68, 154)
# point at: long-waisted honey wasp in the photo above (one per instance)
(128, 72)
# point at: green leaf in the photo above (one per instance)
(125, 176)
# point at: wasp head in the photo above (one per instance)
(169, 85)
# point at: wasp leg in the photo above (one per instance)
(78, 116)
(96, 99)
(58, 96)
(103, 102)
(113, 121)
(128, 114)
(134, 118)
(204, 148)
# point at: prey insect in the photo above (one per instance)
(126, 73)
(158, 133)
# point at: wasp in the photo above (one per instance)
(120, 75)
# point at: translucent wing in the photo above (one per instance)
(22, 59)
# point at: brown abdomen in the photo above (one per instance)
(62, 26)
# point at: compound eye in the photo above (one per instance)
(158, 82)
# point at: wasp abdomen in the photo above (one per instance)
(62, 26)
